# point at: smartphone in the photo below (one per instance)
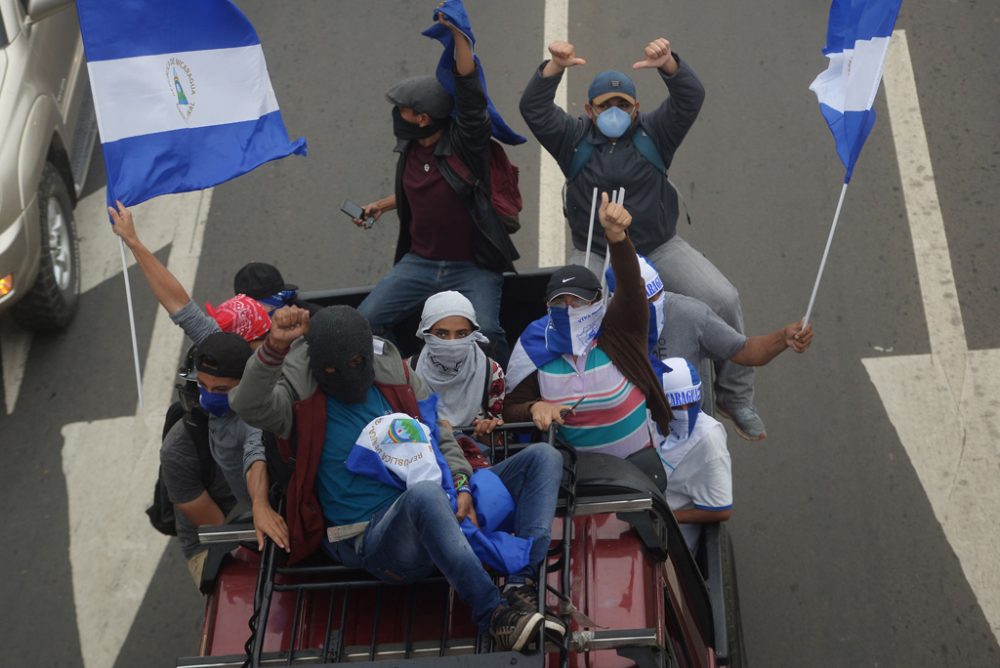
(355, 211)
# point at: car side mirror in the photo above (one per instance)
(39, 9)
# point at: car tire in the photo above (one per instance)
(52, 300)
(731, 594)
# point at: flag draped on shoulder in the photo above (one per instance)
(454, 12)
(857, 41)
(182, 95)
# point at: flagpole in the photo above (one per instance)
(590, 232)
(131, 321)
(826, 252)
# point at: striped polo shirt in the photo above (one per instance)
(612, 418)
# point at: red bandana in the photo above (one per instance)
(241, 315)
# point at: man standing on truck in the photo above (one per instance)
(448, 239)
(614, 146)
(317, 382)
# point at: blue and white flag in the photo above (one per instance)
(454, 12)
(857, 41)
(530, 353)
(182, 94)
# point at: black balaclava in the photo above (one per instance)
(403, 129)
(336, 334)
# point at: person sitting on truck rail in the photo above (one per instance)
(681, 326)
(694, 455)
(587, 371)
(320, 380)
(470, 385)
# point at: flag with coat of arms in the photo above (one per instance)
(182, 94)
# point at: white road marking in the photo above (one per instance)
(551, 223)
(14, 346)
(944, 406)
(110, 465)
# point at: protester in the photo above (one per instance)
(265, 283)
(326, 389)
(234, 444)
(448, 238)
(680, 326)
(198, 489)
(694, 455)
(470, 386)
(587, 371)
(615, 146)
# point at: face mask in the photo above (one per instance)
(403, 129)
(449, 356)
(655, 322)
(613, 122)
(572, 329)
(216, 403)
(683, 423)
(337, 336)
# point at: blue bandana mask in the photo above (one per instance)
(684, 420)
(613, 122)
(216, 403)
(571, 329)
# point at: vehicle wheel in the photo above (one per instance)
(51, 302)
(730, 592)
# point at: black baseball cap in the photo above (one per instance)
(260, 280)
(223, 354)
(575, 280)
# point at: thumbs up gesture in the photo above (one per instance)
(614, 219)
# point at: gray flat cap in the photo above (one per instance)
(422, 94)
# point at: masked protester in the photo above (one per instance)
(694, 455)
(586, 364)
(470, 386)
(615, 145)
(680, 326)
(449, 235)
(323, 380)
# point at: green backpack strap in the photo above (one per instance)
(640, 139)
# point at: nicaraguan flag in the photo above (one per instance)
(182, 94)
(857, 41)
(530, 353)
(454, 12)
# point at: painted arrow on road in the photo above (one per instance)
(110, 465)
(945, 406)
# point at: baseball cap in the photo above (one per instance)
(424, 94)
(223, 354)
(575, 280)
(260, 280)
(609, 84)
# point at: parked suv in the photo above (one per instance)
(47, 133)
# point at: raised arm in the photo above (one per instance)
(669, 123)
(554, 129)
(168, 291)
(628, 312)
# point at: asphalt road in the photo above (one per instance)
(841, 560)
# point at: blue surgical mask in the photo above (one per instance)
(613, 122)
(216, 403)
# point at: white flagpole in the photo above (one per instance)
(131, 321)
(826, 252)
(590, 232)
(617, 197)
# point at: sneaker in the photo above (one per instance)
(525, 598)
(746, 421)
(513, 629)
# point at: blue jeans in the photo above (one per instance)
(413, 279)
(418, 532)
(686, 271)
